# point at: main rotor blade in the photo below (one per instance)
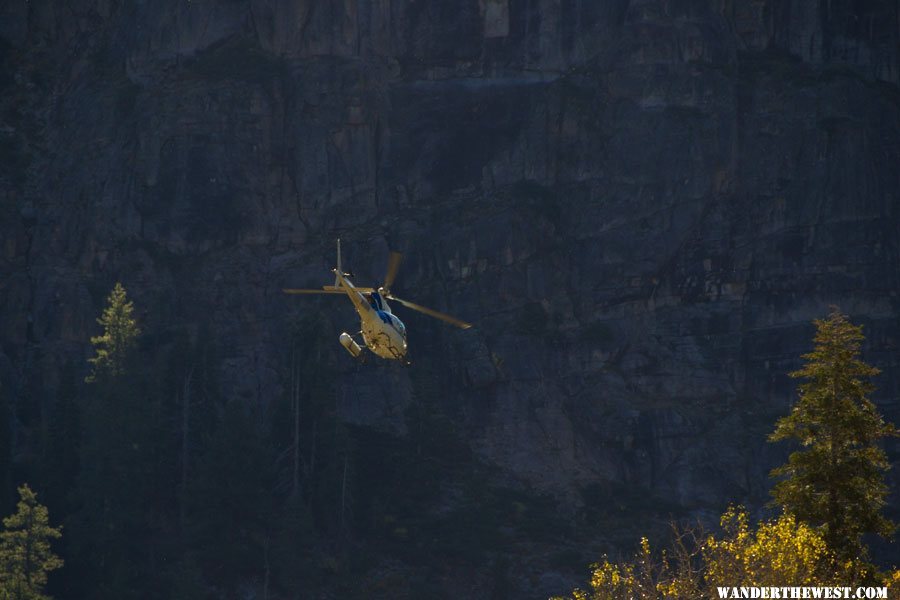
(299, 291)
(328, 289)
(391, 274)
(339, 289)
(430, 312)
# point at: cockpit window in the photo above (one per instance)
(398, 324)
(375, 300)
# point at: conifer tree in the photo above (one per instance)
(119, 480)
(836, 480)
(120, 330)
(25, 554)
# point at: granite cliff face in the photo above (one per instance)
(640, 204)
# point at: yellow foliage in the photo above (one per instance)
(610, 582)
(774, 553)
(779, 552)
(892, 581)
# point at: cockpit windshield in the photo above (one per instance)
(375, 301)
(399, 326)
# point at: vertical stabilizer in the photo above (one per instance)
(337, 279)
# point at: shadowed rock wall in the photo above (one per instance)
(640, 204)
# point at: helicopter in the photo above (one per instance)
(382, 332)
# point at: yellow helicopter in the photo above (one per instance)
(382, 332)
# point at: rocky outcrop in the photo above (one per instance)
(641, 205)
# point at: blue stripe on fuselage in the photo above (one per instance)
(377, 303)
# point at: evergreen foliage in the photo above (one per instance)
(836, 480)
(114, 540)
(120, 330)
(25, 554)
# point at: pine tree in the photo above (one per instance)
(120, 331)
(836, 481)
(119, 482)
(25, 554)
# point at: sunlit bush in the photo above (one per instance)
(778, 552)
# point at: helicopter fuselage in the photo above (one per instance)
(383, 333)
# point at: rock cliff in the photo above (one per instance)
(641, 204)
